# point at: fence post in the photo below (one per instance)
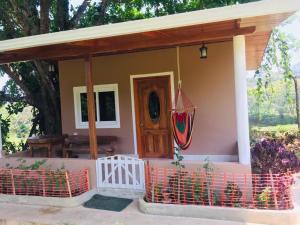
(146, 173)
(86, 172)
(12, 182)
(43, 182)
(273, 189)
(245, 190)
(68, 184)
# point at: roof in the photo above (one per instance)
(17, 48)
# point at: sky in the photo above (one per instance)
(290, 28)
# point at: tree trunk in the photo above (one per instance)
(297, 101)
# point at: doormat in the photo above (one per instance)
(107, 203)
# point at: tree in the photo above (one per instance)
(277, 58)
(32, 82)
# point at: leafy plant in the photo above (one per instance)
(184, 188)
(271, 155)
(178, 158)
(31, 180)
(209, 170)
(233, 194)
(264, 199)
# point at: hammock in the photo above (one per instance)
(182, 120)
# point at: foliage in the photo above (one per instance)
(178, 158)
(208, 167)
(264, 199)
(179, 183)
(15, 128)
(22, 166)
(280, 132)
(277, 59)
(287, 134)
(273, 191)
(28, 182)
(265, 119)
(275, 106)
(271, 155)
(233, 194)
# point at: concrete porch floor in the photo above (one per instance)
(16, 214)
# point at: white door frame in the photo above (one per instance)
(132, 77)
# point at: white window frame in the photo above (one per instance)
(79, 124)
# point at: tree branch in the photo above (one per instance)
(62, 15)
(79, 13)
(33, 129)
(101, 10)
(44, 16)
(15, 77)
(21, 18)
(8, 98)
(26, 15)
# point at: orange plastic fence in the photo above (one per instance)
(48, 183)
(263, 191)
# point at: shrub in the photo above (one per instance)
(264, 199)
(233, 194)
(272, 155)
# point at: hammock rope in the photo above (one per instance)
(182, 115)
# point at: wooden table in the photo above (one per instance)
(47, 142)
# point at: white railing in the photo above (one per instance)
(120, 171)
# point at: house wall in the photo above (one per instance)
(209, 83)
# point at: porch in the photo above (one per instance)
(111, 61)
(108, 73)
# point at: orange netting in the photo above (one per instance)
(48, 183)
(263, 191)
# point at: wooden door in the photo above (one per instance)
(152, 108)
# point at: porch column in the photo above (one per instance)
(91, 106)
(241, 101)
(0, 141)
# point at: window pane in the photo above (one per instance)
(107, 106)
(154, 106)
(83, 103)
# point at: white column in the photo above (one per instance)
(0, 142)
(241, 101)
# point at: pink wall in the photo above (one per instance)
(208, 83)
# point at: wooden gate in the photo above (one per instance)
(120, 171)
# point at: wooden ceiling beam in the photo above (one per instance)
(134, 42)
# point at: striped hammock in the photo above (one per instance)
(182, 120)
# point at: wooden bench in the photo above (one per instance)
(79, 144)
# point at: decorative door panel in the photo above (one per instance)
(152, 105)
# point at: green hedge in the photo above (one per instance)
(272, 120)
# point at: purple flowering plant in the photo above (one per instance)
(272, 155)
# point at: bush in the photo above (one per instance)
(202, 191)
(233, 195)
(272, 120)
(278, 132)
(272, 155)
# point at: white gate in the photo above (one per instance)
(120, 171)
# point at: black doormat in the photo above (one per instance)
(107, 203)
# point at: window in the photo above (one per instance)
(106, 106)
